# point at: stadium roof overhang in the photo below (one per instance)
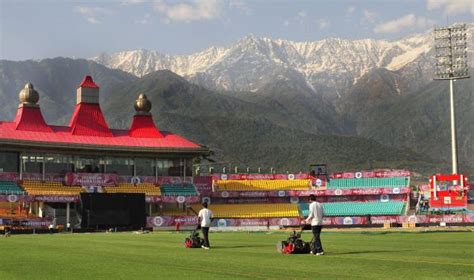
(74, 148)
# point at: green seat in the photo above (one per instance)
(7, 187)
(359, 208)
(364, 183)
(178, 190)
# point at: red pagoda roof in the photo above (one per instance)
(88, 120)
(144, 127)
(88, 83)
(88, 127)
(30, 119)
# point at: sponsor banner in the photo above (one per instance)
(15, 177)
(29, 223)
(222, 223)
(32, 176)
(371, 174)
(348, 175)
(296, 199)
(91, 179)
(424, 219)
(298, 176)
(43, 198)
(335, 221)
(181, 199)
(256, 200)
(16, 198)
(47, 177)
(64, 199)
(59, 199)
(332, 192)
(364, 198)
(137, 179)
(166, 221)
(162, 221)
(35, 224)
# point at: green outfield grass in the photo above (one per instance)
(375, 255)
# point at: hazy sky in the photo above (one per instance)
(40, 29)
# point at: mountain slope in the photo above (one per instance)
(420, 120)
(240, 131)
(174, 94)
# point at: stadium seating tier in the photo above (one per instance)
(7, 187)
(50, 188)
(146, 188)
(262, 185)
(362, 183)
(178, 190)
(359, 208)
(252, 210)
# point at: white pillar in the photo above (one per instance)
(40, 209)
(454, 151)
(68, 209)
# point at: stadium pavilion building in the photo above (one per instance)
(32, 151)
(87, 144)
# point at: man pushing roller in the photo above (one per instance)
(315, 217)
(205, 217)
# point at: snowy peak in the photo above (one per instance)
(252, 62)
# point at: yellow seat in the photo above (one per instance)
(253, 210)
(262, 185)
(146, 188)
(50, 188)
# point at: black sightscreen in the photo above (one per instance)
(113, 210)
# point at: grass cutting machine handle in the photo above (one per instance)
(198, 225)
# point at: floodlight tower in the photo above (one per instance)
(451, 64)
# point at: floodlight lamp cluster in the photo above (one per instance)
(451, 52)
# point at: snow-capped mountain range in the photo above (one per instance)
(329, 65)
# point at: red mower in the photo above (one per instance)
(193, 240)
(294, 244)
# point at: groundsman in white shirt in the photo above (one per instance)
(315, 218)
(205, 218)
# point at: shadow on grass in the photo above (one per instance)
(239, 246)
(368, 252)
(413, 232)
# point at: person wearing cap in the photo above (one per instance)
(315, 217)
(205, 217)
